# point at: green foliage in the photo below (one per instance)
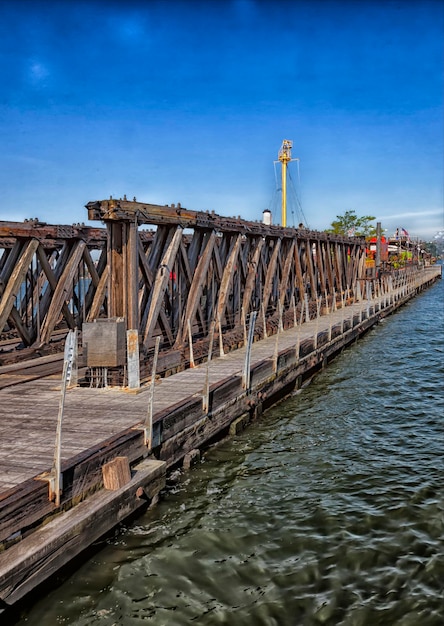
(350, 224)
(433, 248)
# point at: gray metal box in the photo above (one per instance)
(105, 342)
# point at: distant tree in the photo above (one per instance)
(351, 225)
(430, 247)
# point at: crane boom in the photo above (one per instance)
(284, 157)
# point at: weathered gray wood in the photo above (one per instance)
(283, 287)
(15, 281)
(227, 277)
(144, 308)
(53, 545)
(116, 473)
(63, 291)
(160, 284)
(196, 286)
(271, 273)
(97, 298)
(251, 274)
(52, 280)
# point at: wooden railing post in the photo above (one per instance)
(133, 362)
(206, 391)
(148, 430)
(247, 363)
(264, 320)
(190, 343)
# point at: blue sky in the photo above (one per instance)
(175, 101)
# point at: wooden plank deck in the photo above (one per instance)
(28, 411)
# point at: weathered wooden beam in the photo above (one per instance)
(99, 297)
(163, 215)
(15, 281)
(283, 287)
(271, 273)
(227, 277)
(328, 264)
(310, 268)
(132, 276)
(196, 287)
(50, 235)
(320, 265)
(160, 284)
(116, 473)
(63, 292)
(337, 264)
(298, 268)
(116, 281)
(52, 280)
(9, 261)
(251, 275)
(144, 308)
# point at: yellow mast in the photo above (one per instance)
(284, 157)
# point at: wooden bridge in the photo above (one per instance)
(168, 272)
(194, 279)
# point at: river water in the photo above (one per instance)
(329, 510)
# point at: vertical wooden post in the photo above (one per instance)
(206, 393)
(247, 364)
(133, 364)
(115, 269)
(276, 353)
(149, 419)
(221, 341)
(280, 325)
(38, 304)
(190, 343)
(244, 324)
(367, 285)
(318, 310)
(293, 304)
(132, 276)
(123, 276)
(264, 320)
(307, 310)
(327, 309)
(74, 369)
(298, 343)
(301, 316)
(116, 473)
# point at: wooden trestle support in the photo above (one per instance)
(193, 270)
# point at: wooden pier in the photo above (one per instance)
(190, 409)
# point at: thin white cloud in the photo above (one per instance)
(413, 214)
